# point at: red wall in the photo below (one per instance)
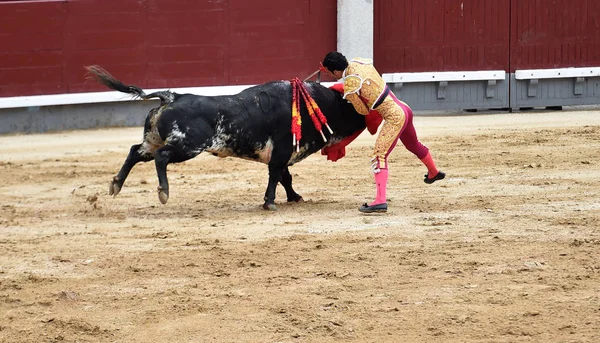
(441, 35)
(32, 40)
(446, 35)
(160, 43)
(555, 34)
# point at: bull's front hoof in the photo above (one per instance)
(114, 187)
(297, 198)
(270, 207)
(163, 195)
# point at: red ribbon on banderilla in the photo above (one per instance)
(299, 91)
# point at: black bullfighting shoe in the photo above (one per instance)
(379, 208)
(439, 176)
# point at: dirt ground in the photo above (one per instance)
(506, 249)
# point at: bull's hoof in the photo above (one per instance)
(296, 198)
(163, 195)
(114, 187)
(269, 207)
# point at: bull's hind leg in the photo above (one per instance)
(286, 182)
(136, 155)
(162, 157)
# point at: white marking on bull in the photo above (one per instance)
(151, 142)
(220, 148)
(175, 134)
(264, 154)
(219, 143)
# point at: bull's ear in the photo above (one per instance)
(338, 87)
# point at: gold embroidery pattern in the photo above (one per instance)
(391, 112)
(394, 118)
(352, 84)
(358, 104)
(371, 87)
(373, 84)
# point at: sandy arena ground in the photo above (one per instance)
(506, 249)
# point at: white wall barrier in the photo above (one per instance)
(111, 96)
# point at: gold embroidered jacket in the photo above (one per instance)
(361, 79)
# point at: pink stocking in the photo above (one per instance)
(431, 168)
(381, 184)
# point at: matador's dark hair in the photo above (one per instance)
(335, 61)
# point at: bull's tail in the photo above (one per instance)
(102, 76)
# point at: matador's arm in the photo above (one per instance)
(358, 104)
(352, 85)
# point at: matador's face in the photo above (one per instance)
(337, 74)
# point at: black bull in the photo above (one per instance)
(254, 124)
